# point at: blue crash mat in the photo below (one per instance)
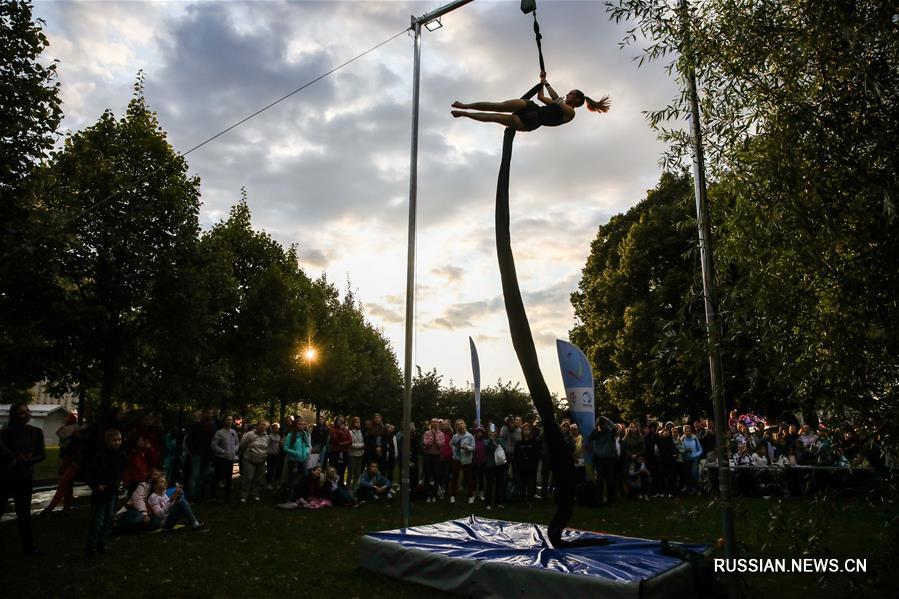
(624, 559)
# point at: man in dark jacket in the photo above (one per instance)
(103, 475)
(21, 447)
(199, 446)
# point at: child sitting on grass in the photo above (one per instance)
(167, 511)
(373, 485)
(639, 480)
(338, 495)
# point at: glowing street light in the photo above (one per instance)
(309, 354)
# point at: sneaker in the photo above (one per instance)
(500, 507)
(482, 497)
(200, 527)
(453, 499)
(536, 496)
(389, 495)
(471, 500)
(488, 507)
(242, 500)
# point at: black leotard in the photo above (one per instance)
(534, 116)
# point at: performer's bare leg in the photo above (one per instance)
(506, 120)
(507, 106)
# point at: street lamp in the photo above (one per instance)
(430, 21)
(309, 354)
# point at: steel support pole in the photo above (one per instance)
(417, 23)
(710, 295)
(410, 275)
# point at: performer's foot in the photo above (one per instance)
(458, 104)
(457, 113)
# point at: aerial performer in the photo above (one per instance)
(525, 115)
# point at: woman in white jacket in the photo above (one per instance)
(254, 449)
(224, 448)
(357, 449)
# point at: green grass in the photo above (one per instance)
(49, 468)
(256, 550)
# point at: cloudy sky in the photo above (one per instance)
(328, 168)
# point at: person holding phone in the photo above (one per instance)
(166, 511)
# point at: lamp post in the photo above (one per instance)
(308, 355)
(430, 21)
(710, 300)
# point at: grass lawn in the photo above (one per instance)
(256, 550)
(49, 468)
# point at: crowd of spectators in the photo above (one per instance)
(144, 478)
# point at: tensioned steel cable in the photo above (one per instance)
(140, 180)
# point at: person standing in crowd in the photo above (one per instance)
(546, 482)
(510, 434)
(446, 458)
(605, 458)
(224, 449)
(667, 463)
(21, 447)
(254, 450)
(391, 451)
(414, 450)
(320, 437)
(691, 453)
(576, 443)
(199, 447)
(463, 452)
(341, 441)
(357, 450)
(527, 458)
(141, 459)
(104, 475)
(632, 445)
(374, 442)
(296, 450)
(70, 455)
(171, 444)
(274, 456)
(479, 463)
(651, 450)
(373, 485)
(432, 445)
(497, 464)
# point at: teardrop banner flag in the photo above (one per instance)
(578, 379)
(476, 372)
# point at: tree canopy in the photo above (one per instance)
(798, 104)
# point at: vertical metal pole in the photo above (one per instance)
(710, 294)
(410, 276)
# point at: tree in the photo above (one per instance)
(258, 302)
(129, 215)
(798, 106)
(29, 117)
(637, 295)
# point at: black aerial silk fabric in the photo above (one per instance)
(562, 463)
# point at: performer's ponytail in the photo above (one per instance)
(601, 105)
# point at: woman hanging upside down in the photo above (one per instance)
(524, 115)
